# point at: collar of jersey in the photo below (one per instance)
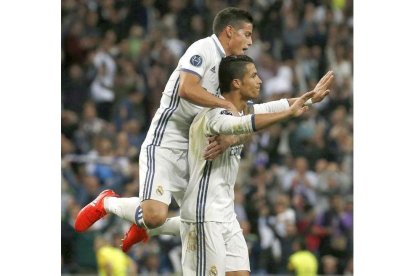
(240, 113)
(218, 45)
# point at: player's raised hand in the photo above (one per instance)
(322, 87)
(298, 107)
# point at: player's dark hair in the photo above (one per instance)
(230, 16)
(232, 67)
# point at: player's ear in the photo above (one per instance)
(236, 83)
(228, 31)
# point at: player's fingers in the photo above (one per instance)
(329, 73)
(308, 95)
(211, 138)
(327, 77)
(206, 153)
(210, 152)
(211, 145)
(330, 80)
(213, 155)
(327, 83)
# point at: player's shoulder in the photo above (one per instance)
(218, 111)
(202, 45)
(203, 41)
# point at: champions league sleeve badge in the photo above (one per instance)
(196, 60)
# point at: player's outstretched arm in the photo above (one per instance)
(262, 121)
(219, 124)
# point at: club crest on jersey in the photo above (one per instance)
(160, 190)
(226, 112)
(196, 60)
(213, 271)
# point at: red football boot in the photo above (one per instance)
(134, 235)
(92, 212)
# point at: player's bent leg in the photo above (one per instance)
(134, 235)
(154, 213)
(92, 212)
(149, 214)
(137, 234)
(123, 207)
(170, 227)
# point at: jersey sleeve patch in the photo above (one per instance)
(196, 60)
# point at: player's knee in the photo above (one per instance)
(154, 214)
(154, 220)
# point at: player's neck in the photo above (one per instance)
(236, 99)
(224, 41)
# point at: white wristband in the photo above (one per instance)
(308, 102)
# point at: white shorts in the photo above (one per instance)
(213, 248)
(163, 172)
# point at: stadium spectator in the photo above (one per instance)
(302, 261)
(111, 260)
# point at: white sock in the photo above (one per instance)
(122, 207)
(170, 227)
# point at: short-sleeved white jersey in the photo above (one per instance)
(210, 192)
(171, 122)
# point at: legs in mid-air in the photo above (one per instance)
(148, 212)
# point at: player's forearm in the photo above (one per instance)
(199, 96)
(230, 125)
(309, 102)
(262, 121)
(291, 101)
(233, 125)
(273, 106)
(191, 90)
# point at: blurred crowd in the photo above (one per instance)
(296, 179)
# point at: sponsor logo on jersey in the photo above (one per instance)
(226, 112)
(196, 60)
(213, 69)
(236, 150)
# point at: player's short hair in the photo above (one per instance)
(232, 67)
(230, 16)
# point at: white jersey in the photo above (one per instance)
(170, 125)
(210, 191)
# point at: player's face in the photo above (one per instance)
(241, 38)
(251, 83)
